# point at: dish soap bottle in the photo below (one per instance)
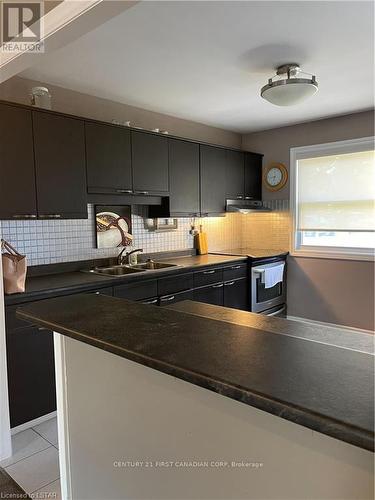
(201, 242)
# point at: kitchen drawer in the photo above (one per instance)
(176, 297)
(207, 277)
(103, 291)
(174, 284)
(213, 294)
(11, 320)
(137, 291)
(153, 301)
(235, 271)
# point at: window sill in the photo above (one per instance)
(313, 254)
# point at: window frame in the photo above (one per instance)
(326, 149)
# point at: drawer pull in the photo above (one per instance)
(155, 301)
(236, 267)
(25, 216)
(229, 283)
(218, 286)
(239, 197)
(141, 192)
(209, 272)
(124, 191)
(167, 299)
(50, 216)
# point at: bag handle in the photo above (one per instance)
(7, 246)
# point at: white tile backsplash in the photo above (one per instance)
(47, 242)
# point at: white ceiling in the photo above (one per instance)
(206, 61)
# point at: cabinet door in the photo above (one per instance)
(212, 294)
(17, 185)
(31, 374)
(183, 177)
(150, 163)
(213, 174)
(235, 175)
(60, 166)
(141, 290)
(236, 294)
(253, 176)
(108, 159)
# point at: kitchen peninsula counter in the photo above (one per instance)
(327, 388)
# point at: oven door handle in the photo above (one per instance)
(275, 313)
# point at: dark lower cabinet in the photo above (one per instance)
(59, 145)
(253, 176)
(176, 297)
(139, 291)
(213, 294)
(213, 177)
(31, 374)
(236, 294)
(108, 159)
(17, 185)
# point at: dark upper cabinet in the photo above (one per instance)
(150, 163)
(60, 166)
(184, 177)
(17, 185)
(108, 159)
(253, 176)
(235, 174)
(236, 294)
(213, 176)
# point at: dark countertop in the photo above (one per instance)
(52, 285)
(253, 253)
(323, 387)
(339, 337)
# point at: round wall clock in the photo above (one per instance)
(275, 176)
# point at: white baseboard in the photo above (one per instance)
(332, 325)
(33, 423)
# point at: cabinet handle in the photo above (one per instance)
(141, 192)
(24, 216)
(236, 267)
(249, 197)
(155, 301)
(229, 283)
(167, 299)
(209, 272)
(50, 216)
(124, 191)
(42, 329)
(218, 286)
(239, 197)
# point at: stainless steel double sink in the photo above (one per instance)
(122, 270)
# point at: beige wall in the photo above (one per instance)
(18, 89)
(275, 144)
(336, 291)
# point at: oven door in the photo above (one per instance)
(265, 298)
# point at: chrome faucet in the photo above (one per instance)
(121, 258)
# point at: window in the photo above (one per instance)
(333, 199)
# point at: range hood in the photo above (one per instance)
(245, 206)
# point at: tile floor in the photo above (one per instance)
(34, 464)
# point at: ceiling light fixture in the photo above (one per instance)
(287, 88)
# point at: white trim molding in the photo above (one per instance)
(326, 149)
(33, 423)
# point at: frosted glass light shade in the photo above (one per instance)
(289, 91)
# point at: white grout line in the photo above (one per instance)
(41, 435)
(28, 456)
(44, 486)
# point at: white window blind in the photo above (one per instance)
(336, 192)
